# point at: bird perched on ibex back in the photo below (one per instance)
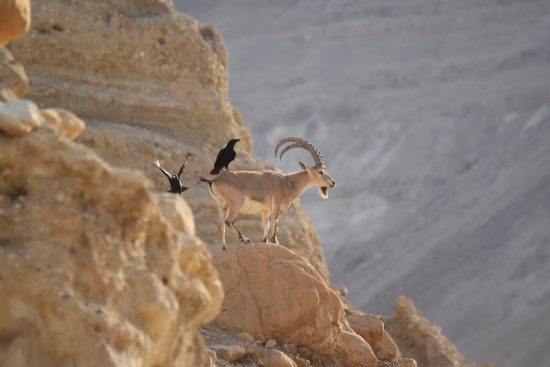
(176, 186)
(267, 192)
(225, 156)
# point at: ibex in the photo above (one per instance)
(267, 192)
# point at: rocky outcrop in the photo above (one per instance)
(155, 91)
(15, 19)
(271, 292)
(90, 271)
(419, 339)
(177, 212)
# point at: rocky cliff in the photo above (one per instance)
(133, 68)
(97, 267)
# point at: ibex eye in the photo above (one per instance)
(320, 172)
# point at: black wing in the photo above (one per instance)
(230, 158)
(219, 157)
(166, 173)
(183, 166)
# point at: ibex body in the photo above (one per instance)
(267, 192)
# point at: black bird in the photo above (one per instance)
(225, 156)
(175, 181)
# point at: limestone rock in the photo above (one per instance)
(270, 344)
(417, 338)
(176, 210)
(246, 336)
(370, 327)
(13, 79)
(271, 292)
(291, 348)
(229, 353)
(389, 350)
(15, 19)
(270, 357)
(65, 122)
(302, 362)
(354, 350)
(18, 118)
(93, 274)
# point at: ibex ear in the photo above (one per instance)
(302, 165)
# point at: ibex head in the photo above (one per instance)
(318, 173)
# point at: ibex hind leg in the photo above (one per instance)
(232, 212)
(265, 225)
(221, 226)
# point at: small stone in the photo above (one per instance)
(407, 362)
(270, 344)
(275, 358)
(302, 362)
(66, 122)
(291, 348)
(18, 118)
(304, 352)
(245, 336)
(59, 197)
(229, 353)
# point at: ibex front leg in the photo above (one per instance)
(274, 222)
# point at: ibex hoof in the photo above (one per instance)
(246, 240)
(224, 247)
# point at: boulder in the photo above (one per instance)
(65, 122)
(389, 350)
(229, 353)
(270, 357)
(176, 210)
(246, 336)
(91, 274)
(370, 327)
(18, 118)
(13, 79)
(272, 292)
(354, 350)
(15, 19)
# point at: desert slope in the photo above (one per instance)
(434, 119)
